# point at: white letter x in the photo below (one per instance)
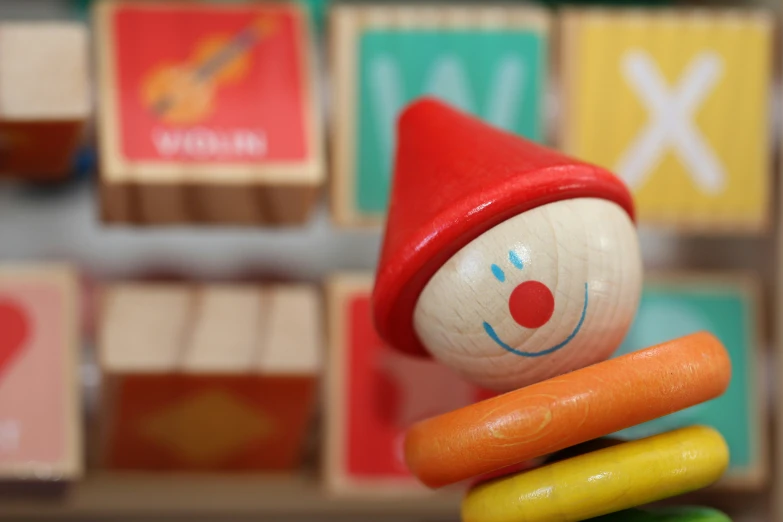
(670, 121)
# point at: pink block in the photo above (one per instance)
(39, 421)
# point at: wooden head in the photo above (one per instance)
(546, 292)
(503, 259)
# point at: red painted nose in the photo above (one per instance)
(531, 304)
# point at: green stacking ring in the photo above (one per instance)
(676, 514)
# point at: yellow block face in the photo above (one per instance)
(677, 103)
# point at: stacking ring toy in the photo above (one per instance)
(564, 411)
(616, 478)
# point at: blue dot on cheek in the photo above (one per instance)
(498, 273)
(515, 260)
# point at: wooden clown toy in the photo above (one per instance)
(520, 268)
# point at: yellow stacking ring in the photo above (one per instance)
(604, 481)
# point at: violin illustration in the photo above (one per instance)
(182, 94)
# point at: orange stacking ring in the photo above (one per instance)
(570, 409)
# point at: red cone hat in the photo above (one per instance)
(456, 177)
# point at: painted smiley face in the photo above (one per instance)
(543, 293)
(531, 304)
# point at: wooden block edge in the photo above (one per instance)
(337, 288)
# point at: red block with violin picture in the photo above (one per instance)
(202, 103)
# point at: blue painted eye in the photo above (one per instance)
(498, 273)
(515, 260)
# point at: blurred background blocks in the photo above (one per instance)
(488, 60)
(40, 388)
(44, 98)
(728, 305)
(675, 102)
(220, 125)
(63, 225)
(374, 394)
(207, 377)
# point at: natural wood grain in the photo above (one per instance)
(207, 377)
(293, 342)
(142, 327)
(225, 329)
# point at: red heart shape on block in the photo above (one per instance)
(14, 330)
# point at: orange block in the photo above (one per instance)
(576, 407)
(207, 378)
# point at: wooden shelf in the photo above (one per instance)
(104, 494)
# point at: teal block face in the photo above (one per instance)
(81, 8)
(667, 312)
(317, 10)
(496, 75)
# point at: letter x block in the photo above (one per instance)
(208, 113)
(204, 378)
(675, 102)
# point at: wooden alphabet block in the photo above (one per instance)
(488, 60)
(208, 113)
(676, 103)
(44, 97)
(727, 305)
(207, 377)
(40, 405)
(374, 394)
